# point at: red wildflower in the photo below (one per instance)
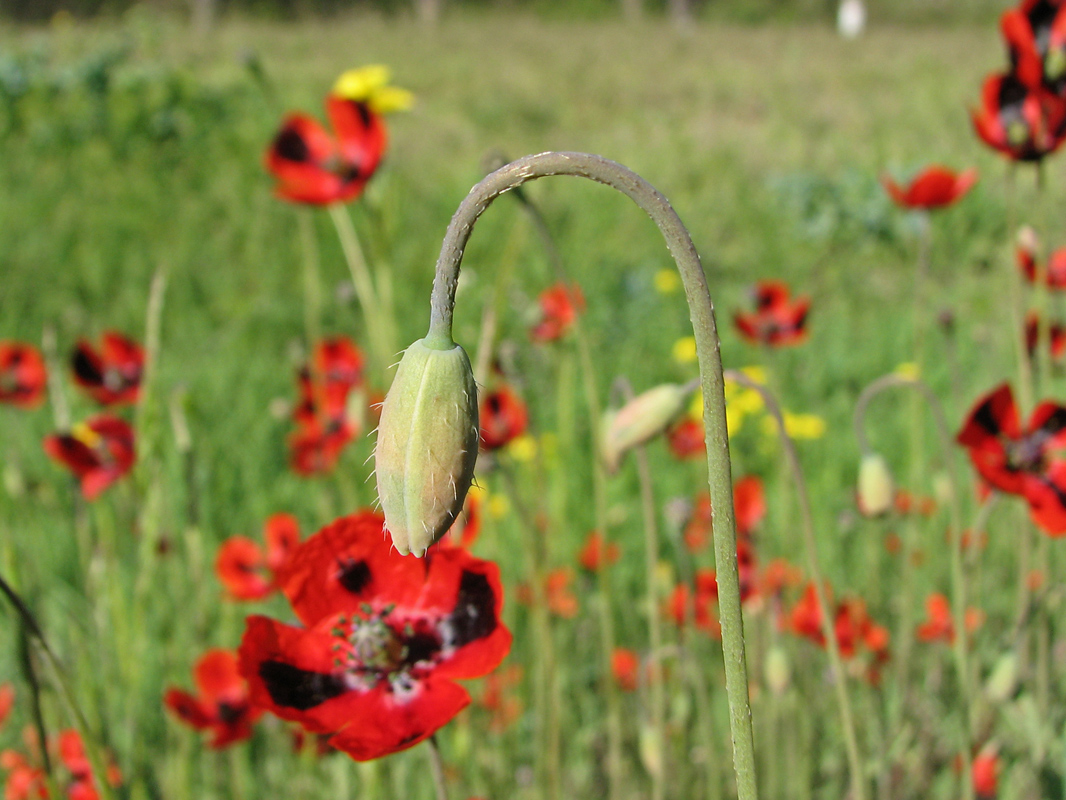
(625, 666)
(686, 439)
(559, 307)
(72, 754)
(749, 505)
(1056, 334)
(24, 780)
(7, 701)
(938, 626)
(98, 452)
(312, 166)
(1022, 462)
(111, 374)
(684, 603)
(221, 705)
(245, 570)
(595, 555)
(499, 698)
(851, 624)
(1022, 123)
(1055, 274)
(778, 321)
(384, 638)
(561, 600)
(336, 368)
(906, 503)
(985, 773)
(503, 417)
(315, 447)
(23, 377)
(934, 187)
(1035, 32)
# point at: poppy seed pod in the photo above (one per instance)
(641, 419)
(427, 445)
(876, 489)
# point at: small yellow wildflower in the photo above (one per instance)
(734, 419)
(797, 426)
(523, 448)
(370, 85)
(756, 373)
(667, 281)
(498, 506)
(685, 350)
(86, 435)
(909, 370)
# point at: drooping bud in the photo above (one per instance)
(641, 419)
(427, 444)
(876, 487)
(1003, 681)
(777, 671)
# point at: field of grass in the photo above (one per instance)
(133, 149)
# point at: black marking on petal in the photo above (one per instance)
(411, 737)
(474, 616)
(984, 417)
(1055, 423)
(291, 146)
(85, 367)
(354, 575)
(291, 687)
(421, 647)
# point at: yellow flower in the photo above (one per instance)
(522, 448)
(86, 435)
(908, 370)
(734, 419)
(685, 350)
(797, 426)
(667, 281)
(756, 373)
(498, 506)
(370, 85)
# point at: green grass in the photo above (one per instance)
(768, 142)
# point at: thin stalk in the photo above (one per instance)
(709, 357)
(847, 722)
(958, 575)
(436, 765)
(377, 335)
(312, 281)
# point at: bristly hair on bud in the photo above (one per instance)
(427, 444)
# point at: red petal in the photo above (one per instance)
(361, 134)
(189, 709)
(282, 533)
(218, 677)
(237, 566)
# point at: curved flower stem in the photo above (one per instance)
(707, 349)
(958, 575)
(851, 742)
(436, 763)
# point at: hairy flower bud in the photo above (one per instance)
(641, 419)
(876, 488)
(427, 445)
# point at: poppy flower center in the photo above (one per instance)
(1026, 455)
(369, 649)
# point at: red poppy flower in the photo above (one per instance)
(27, 781)
(625, 666)
(559, 307)
(778, 321)
(934, 187)
(852, 626)
(938, 625)
(336, 368)
(561, 600)
(1023, 462)
(1021, 122)
(7, 701)
(111, 374)
(24, 780)
(498, 697)
(245, 570)
(594, 554)
(315, 446)
(686, 439)
(1035, 32)
(684, 603)
(1056, 336)
(749, 506)
(98, 452)
(23, 377)
(221, 705)
(384, 637)
(503, 418)
(1055, 276)
(72, 754)
(985, 773)
(313, 167)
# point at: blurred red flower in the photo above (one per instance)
(1021, 122)
(559, 307)
(7, 701)
(23, 376)
(778, 320)
(985, 773)
(245, 570)
(1026, 462)
(98, 452)
(686, 439)
(312, 166)
(749, 507)
(1056, 336)
(498, 696)
(384, 637)
(110, 373)
(854, 629)
(1035, 32)
(594, 554)
(503, 417)
(27, 781)
(467, 527)
(934, 187)
(625, 666)
(221, 704)
(324, 424)
(684, 603)
(1055, 275)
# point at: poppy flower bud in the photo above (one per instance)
(777, 671)
(641, 419)
(876, 488)
(427, 444)
(1003, 681)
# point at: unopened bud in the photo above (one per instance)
(641, 419)
(876, 488)
(1027, 239)
(427, 445)
(1003, 680)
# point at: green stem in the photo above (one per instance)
(436, 765)
(707, 348)
(847, 722)
(312, 282)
